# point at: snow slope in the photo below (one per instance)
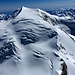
(34, 43)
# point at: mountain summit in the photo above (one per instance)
(34, 43)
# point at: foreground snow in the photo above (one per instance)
(33, 43)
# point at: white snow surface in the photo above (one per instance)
(42, 47)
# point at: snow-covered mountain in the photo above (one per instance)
(34, 43)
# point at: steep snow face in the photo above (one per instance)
(33, 43)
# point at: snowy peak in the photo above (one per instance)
(38, 13)
(16, 12)
(34, 43)
(20, 11)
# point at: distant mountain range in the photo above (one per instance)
(5, 15)
(63, 12)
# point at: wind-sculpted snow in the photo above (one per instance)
(34, 43)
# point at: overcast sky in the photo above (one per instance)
(10, 5)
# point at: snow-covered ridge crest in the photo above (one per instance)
(18, 11)
(25, 12)
(34, 43)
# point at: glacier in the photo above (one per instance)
(33, 42)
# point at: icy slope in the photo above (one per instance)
(33, 43)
